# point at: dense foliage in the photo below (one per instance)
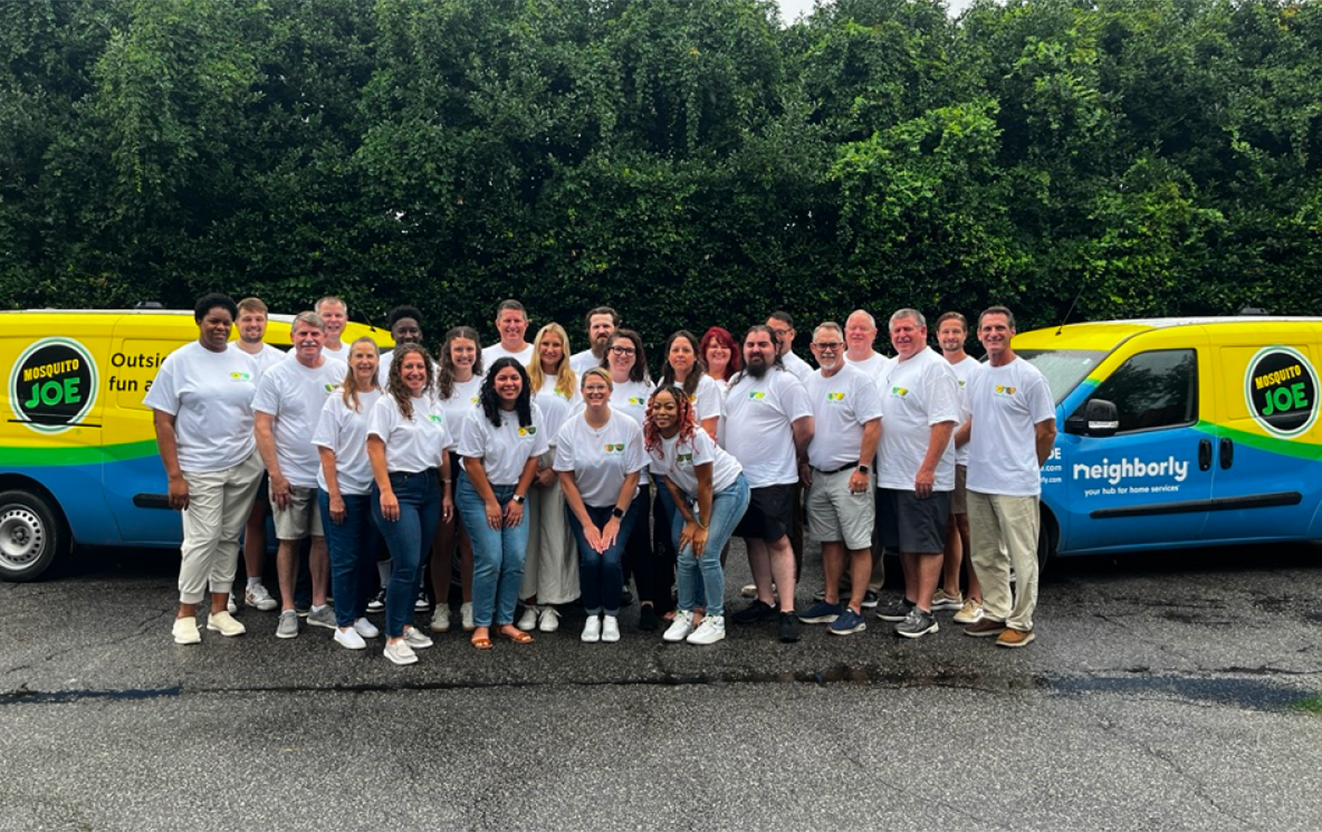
(688, 162)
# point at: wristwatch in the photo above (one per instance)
(864, 470)
(617, 513)
(519, 498)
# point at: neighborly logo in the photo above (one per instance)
(436, 418)
(528, 431)
(1003, 390)
(757, 394)
(614, 447)
(684, 459)
(835, 397)
(330, 388)
(1281, 390)
(53, 385)
(636, 401)
(239, 375)
(900, 391)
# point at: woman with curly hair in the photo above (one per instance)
(408, 445)
(500, 442)
(550, 571)
(711, 494)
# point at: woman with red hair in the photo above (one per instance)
(720, 354)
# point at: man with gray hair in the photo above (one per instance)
(847, 416)
(916, 467)
(334, 312)
(286, 407)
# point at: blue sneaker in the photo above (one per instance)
(848, 622)
(821, 613)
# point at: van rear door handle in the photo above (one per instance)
(1227, 453)
(1204, 454)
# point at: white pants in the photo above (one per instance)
(996, 521)
(550, 570)
(218, 507)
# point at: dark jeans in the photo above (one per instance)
(352, 545)
(408, 539)
(600, 574)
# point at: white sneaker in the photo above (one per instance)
(550, 620)
(257, 596)
(399, 652)
(185, 631)
(610, 629)
(348, 637)
(679, 628)
(231, 607)
(287, 626)
(592, 630)
(224, 623)
(710, 631)
(970, 613)
(415, 639)
(365, 628)
(528, 621)
(748, 590)
(440, 619)
(466, 616)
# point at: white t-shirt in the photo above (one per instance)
(496, 351)
(841, 406)
(504, 450)
(343, 430)
(463, 398)
(210, 395)
(1007, 403)
(708, 400)
(295, 395)
(630, 398)
(759, 417)
(341, 352)
(412, 445)
(676, 461)
(966, 368)
(556, 406)
(874, 366)
(581, 362)
(600, 458)
(915, 395)
(800, 368)
(267, 357)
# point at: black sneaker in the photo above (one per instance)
(789, 627)
(378, 602)
(870, 600)
(899, 612)
(917, 624)
(755, 613)
(647, 620)
(626, 597)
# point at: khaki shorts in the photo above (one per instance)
(959, 498)
(835, 515)
(300, 518)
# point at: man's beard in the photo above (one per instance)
(757, 370)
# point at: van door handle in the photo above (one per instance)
(1204, 454)
(1227, 453)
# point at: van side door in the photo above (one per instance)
(1266, 483)
(1139, 483)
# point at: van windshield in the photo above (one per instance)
(1064, 369)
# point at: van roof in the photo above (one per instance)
(1106, 335)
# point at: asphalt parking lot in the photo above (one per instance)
(1162, 692)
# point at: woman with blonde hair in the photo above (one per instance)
(550, 570)
(344, 493)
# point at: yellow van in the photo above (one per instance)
(1180, 432)
(78, 460)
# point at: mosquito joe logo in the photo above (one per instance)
(1281, 389)
(53, 385)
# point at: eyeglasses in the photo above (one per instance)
(829, 346)
(623, 350)
(780, 333)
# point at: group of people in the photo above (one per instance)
(555, 477)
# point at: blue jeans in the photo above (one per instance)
(408, 540)
(352, 544)
(497, 555)
(702, 579)
(601, 574)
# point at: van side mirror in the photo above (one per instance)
(1099, 418)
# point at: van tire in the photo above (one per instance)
(33, 537)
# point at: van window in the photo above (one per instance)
(1157, 389)
(1064, 369)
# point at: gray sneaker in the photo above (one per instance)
(917, 624)
(324, 617)
(288, 626)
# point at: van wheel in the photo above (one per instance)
(33, 538)
(1048, 537)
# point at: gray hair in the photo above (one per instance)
(901, 314)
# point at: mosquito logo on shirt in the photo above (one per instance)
(901, 392)
(837, 398)
(962, 382)
(528, 432)
(756, 394)
(1003, 390)
(614, 447)
(636, 401)
(436, 418)
(684, 459)
(239, 375)
(330, 388)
